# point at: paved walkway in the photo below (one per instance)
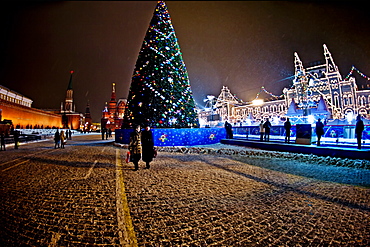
(86, 195)
(222, 200)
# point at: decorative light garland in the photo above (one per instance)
(359, 72)
(269, 93)
(282, 95)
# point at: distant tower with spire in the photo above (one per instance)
(70, 118)
(68, 102)
(88, 119)
(113, 102)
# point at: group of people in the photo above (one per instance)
(358, 130)
(16, 135)
(141, 146)
(106, 133)
(265, 129)
(60, 139)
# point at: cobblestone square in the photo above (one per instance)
(86, 195)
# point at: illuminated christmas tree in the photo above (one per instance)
(160, 93)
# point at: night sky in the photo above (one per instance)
(242, 45)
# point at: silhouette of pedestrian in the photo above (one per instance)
(267, 127)
(287, 127)
(319, 130)
(135, 147)
(147, 143)
(62, 139)
(102, 133)
(262, 130)
(229, 130)
(56, 139)
(359, 129)
(16, 139)
(2, 142)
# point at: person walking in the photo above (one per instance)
(63, 139)
(287, 127)
(262, 130)
(135, 147)
(147, 143)
(57, 139)
(229, 130)
(358, 130)
(2, 137)
(106, 134)
(102, 133)
(267, 127)
(319, 130)
(16, 139)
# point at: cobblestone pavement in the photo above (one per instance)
(69, 197)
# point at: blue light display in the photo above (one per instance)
(177, 137)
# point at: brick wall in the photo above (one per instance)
(24, 116)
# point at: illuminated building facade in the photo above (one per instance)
(113, 112)
(317, 92)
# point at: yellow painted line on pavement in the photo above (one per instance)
(10, 161)
(126, 233)
(10, 167)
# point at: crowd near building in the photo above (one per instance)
(316, 92)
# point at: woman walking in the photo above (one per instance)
(135, 147)
(56, 139)
(147, 145)
(62, 139)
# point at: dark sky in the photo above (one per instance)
(239, 44)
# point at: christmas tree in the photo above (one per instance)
(160, 93)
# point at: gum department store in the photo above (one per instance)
(316, 92)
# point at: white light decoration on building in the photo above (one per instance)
(257, 102)
(316, 92)
(350, 117)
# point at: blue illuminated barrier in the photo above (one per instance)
(333, 131)
(177, 137)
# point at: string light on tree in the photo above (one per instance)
(160, 93)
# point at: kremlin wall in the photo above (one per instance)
(17, 108)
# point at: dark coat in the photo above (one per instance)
(359, 127)
(319, 128)
(267, 126)
(147, 145)
(57, 136)
(135, 143)
(287, 125)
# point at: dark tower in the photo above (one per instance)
(68, 103)
(88, 120)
